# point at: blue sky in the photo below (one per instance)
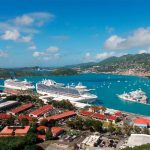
(63, 32)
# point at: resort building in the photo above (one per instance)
(20, 109)
(141, 122)
(56, 131)
(15, 131)
(29, 118)
(5, 116)
(41, 111)
(64, 115)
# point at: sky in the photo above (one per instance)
(51, 33)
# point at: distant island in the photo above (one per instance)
(35, 71)
(137, 64)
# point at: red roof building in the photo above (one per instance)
(4, 116)
(41, 137)
(99, 116)
(57, 131)
(15, 131)
(118, 114)
(20, 109)
(111, 118)
(86, 113)
(141, 122)
(25, 117)
(41, 111)
(42, 128)
(66, 114)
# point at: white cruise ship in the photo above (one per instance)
(134, 96)
(14, 85)
(60, 91)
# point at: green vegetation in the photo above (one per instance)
(142, 147)
(64, 71)
(89, 124)
(65, 104)
(137, 62)
(18, 143)
(21, 72)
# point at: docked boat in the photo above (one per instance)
(134, 96)
(60, 91)
(15, 86)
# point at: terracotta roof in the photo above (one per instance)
(27, 117)
(56, 130)
(63, 115)
(42, 110)
(43, 137)
(4, 116)
(42, 127)
(86, 113)
(118, 114)
(19, 131)
(112, 118)
(21, 108)
(99, 116)
(141, 121)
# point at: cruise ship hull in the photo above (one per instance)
(70, 98)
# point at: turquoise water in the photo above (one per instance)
(106, 87)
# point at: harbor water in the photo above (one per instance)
(106, 87)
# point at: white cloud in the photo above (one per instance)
(18, 28)
(52, 49)
(26, 39)
(24, 20)
(32, 47)
(144, 51)
(3, 53)
(49, 54)
(39, 54)
(11, 35)
(110, 29)
(101, 56)
(138, 38)
(36, 18)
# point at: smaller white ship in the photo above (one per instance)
(134, 96)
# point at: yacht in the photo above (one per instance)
(60, 91)
(134, 96)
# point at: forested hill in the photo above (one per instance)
(137, 62)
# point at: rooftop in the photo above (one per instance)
(61, 116)
(15, 130)
(21, 108)
(4, 116)
(42, 110)
(141, 121)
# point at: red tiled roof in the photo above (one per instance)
(141, 121)
(42, 127)
(7, 131)
(21, 108)
(86, 113)
(43, 137)
(27, 117)
(61, 116)
(118, 114)
(99, 116)
(4, 116)
(56, 130)
(42, 110)
(112, 118)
